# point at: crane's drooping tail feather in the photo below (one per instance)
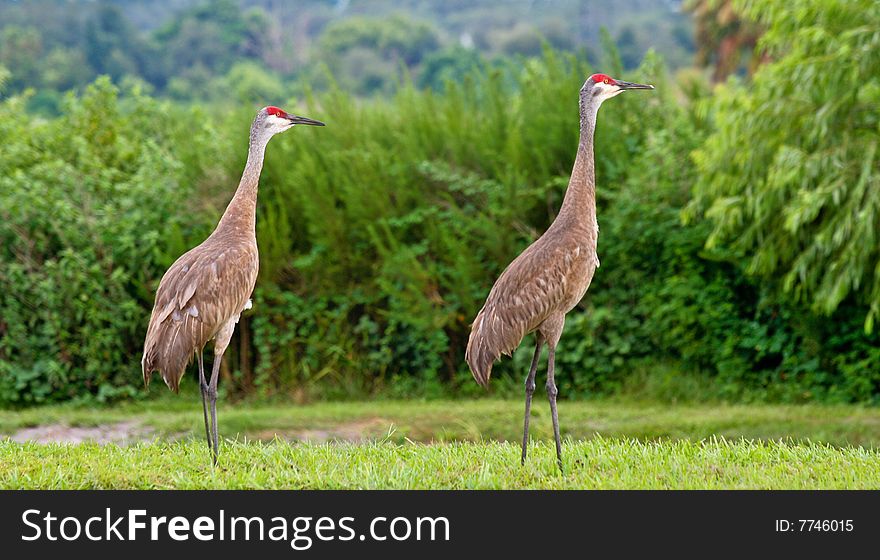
(479, 360)
(168, 349)
(491, 336)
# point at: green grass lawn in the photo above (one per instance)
(595, 463)
(454, 444)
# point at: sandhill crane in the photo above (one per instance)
(202, 295)
(552, 275)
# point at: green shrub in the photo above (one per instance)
(789, 178)
(89, 204)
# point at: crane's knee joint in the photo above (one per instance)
(530, 387)
(211, 392)
(551, 390)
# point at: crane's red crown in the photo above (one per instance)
(277, 111)
(602, 78)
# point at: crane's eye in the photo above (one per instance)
(606, 81)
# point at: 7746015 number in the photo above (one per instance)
(818, 525)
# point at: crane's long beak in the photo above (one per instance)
(296, 119)
(631, 85)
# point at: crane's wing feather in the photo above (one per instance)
(525, 294)
(198, 294)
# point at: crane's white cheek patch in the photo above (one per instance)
(277, 121)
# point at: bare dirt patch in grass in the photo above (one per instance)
(120, 433)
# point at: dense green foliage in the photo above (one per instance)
(802, 203)
(790, 181)
(92, 205)
(381, 233)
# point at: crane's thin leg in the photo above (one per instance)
(551, 393)
(203, 386)
(221, 341)
(212, 396)
(530, 390)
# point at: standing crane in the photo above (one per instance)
(552, 275)
(202, 295)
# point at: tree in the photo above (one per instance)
(790, 179)
(4, 78)
(722, 36)
(64, 69)
(208, 40)
(363, 53)
(449, 64)
(111, 43)
(251, 84)
(20, 51)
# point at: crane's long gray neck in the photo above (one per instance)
(579, 205)
(240, 215)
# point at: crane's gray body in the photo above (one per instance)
(200, 298)
(533, 293)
